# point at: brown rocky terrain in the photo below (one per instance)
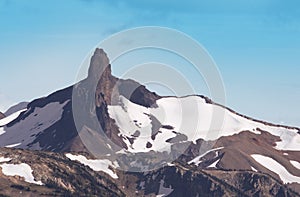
(63, 177)
(60, 176)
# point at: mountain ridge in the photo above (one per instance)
(137, 125)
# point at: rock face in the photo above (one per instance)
(2, 115)
(180, 181)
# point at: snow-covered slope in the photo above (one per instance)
(277, 168)
(190, 117)
(24, 131)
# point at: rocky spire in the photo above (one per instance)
(100, 74)
(108, 87)
(99, 65)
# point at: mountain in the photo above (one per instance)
(144, 144)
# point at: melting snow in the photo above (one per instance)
(96, 165)
(22, 170)
(277, 168)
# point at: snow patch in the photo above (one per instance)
(197, 160)
(22, 170)
(277, 168)
(253, 169)
(13, 145)
(3, 159)
(214, 165)
(296, 164)
(1, 131)
(10, 118)
(97, 165)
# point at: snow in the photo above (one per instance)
(3, 159)
(214, 165)
(277, 168)
(296, 164)
(197, 160)
(1, 131)
(13, 145)
(253, 169)
(36, 122)
(190, 116)
(10, 118)
(290, 141)
(130, 118)
(96, 165)
(22, 170)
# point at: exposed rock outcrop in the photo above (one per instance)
(2, 115)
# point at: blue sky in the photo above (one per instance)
(256, 45)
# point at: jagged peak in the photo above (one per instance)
(99, 65)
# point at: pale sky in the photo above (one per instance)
(256, 45)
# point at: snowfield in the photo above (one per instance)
(277, 168)
(22, 170)
(190, 116)
(97, 164)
